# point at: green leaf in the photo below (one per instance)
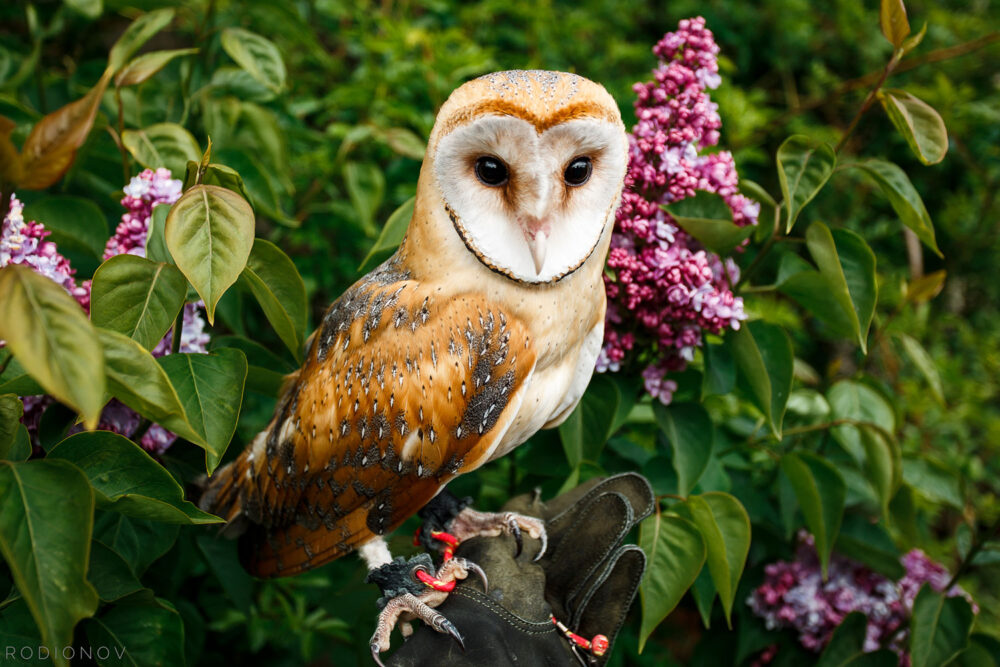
(260, 182)
(918, 355)
(848, 265)
(89, 8)
(811, 290)
(392, 232)
(871, 544)
(707, 218)
(919, 123)
(14, 379)
(764, 358)
(939, 629)
(725, 527)
(904, 198)
(588, 427)
(913, 41)
(848, 641)
(222, 559)
(212, 389)
(137, 297)
(209, 232)
(110, 575)
(76, 223)
(266, 370)
(46, 518)
(690, 432)
(53, 340)
(404, 142)
(804, 167)
(138, 381)
(892, 19)
(141, 632)
(933, 480)
(926, 287)
(703, 591)
(156, 242)
(257, 55)
(137, 541)
(162, 145)
(145, 66)
(365, 186)
(126, 479)
(675, 554)
(216, 174)
(821, 493)
(137, 34)
(11, 410)
(276, 284)
(20, 448)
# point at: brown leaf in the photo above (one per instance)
(51, 147)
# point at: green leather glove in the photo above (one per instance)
(586, 580)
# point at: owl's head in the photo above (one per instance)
(530, 167)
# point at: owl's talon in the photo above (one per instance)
(375, 652)
(515, 530)
(472, 567)
(470, 523)
(450, 628)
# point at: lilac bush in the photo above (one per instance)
(794, 595)
(664, 289)
(23, 243)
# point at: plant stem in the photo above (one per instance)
(175, 340)
(889, 67)
(977, 545)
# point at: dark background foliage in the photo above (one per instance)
(328, 156)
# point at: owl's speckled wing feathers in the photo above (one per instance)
(400, 392)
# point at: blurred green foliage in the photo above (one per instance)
(331, 148)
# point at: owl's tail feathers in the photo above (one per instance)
(223, 496)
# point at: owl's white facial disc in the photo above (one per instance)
(538, 225)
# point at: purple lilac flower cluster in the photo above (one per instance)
(22, 243)
(795, 596)
(664, 289)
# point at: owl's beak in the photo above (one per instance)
(536, 233)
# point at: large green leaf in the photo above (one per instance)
(276, 284)
(222, 559)
(392, 232)
(848, 266)
(846, 647)
(804, 167)
(126, 479)
(707, 218)
(139, 633)
(46, 518)
(137, 541)
(871, 544)
(924, 363)
(266, 371)
(209, 232)
(588, 427)
(137, 34)
(690, 432)
(14, 379)
(257, 55)
(53, 340)
(135, 379)
(137, 297)
(162, 145)
(939, 628)
(725, 527)
(763, 354)
(919, 123)
(76, 223)
(145, 66)
(821, 493)
(675, 553)
(720, 369)
(211, 387)
(365, 186)
(904, 198)
(110, 575)
(11, 410)
(216, 174)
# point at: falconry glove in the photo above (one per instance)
(585, 582)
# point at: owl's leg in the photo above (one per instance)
(452, 517)
(410, 591)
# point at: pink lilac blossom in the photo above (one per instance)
(20, 244)
(795, 596)
(23, 242)
(665, 290)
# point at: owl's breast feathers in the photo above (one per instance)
(400, 392)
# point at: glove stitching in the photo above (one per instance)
(601, 488)
(622, 530)
(609, 569)
(509, 617)
(634, 587)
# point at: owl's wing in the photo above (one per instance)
(400, 393)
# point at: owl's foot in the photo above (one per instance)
(411, 592)
(469, 523)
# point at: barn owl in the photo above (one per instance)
(480, 330)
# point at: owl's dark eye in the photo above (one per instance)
(491, 171)
(578, 171)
